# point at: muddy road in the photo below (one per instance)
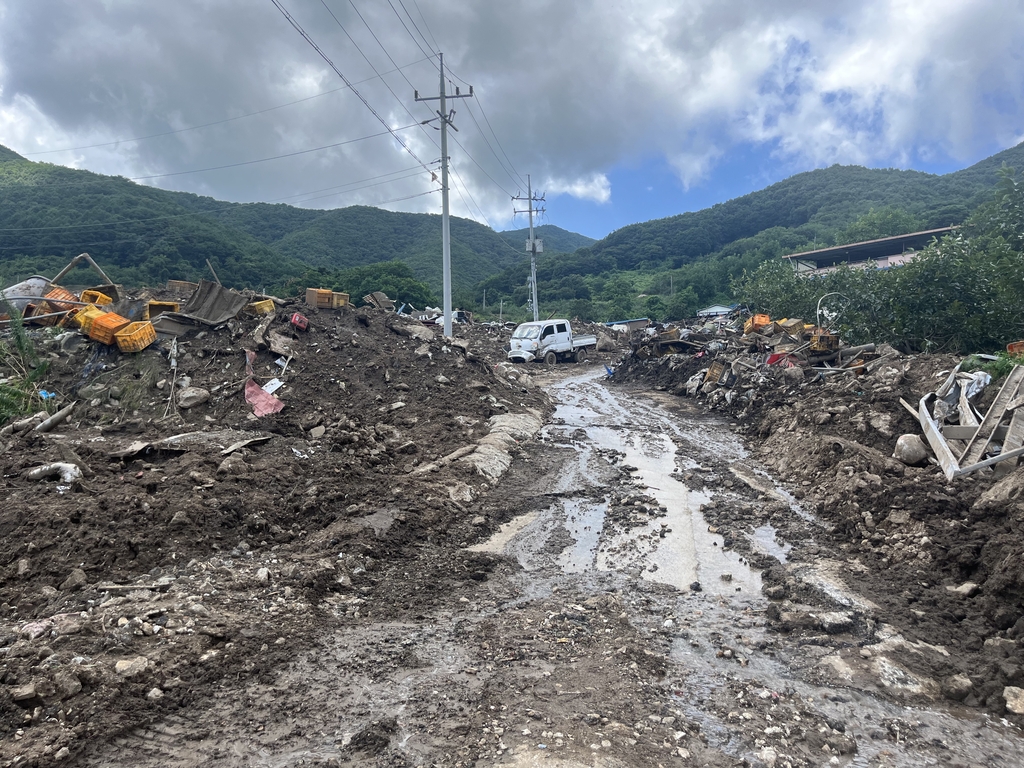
(597, 618)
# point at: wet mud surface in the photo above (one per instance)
(629, 586)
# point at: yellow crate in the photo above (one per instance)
(155, 308)
(97, 298)
(264, 307)
(135, 337)
(85, 317)
(105, 326)
(824, 342)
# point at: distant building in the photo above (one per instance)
(880, 254)
(715, 310)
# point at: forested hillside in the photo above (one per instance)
(555, 239)
(143, 235)
(669, 267)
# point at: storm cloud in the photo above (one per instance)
(565, 90)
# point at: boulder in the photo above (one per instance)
(190, 397)
(911, 450)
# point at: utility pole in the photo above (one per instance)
(533, 246)
(446, 238)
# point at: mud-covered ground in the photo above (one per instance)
(940, 560)
(440, 559)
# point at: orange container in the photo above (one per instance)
(105, 326)
(97, 298)
(58, 298)
(1016, 348)
(135, 337)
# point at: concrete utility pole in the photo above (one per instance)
(446, 238)
(533, 246)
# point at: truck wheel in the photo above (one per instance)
(550, 359)
(581, 355)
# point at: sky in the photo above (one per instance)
(618, 111)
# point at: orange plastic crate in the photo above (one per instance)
(105, 326)
(97, 298)
(1016, 348)
(135, 337)
(58, 298)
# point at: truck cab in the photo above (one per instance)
(547, 340)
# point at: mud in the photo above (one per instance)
(634, 583)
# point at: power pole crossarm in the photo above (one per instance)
(446, 244)
(532, 243)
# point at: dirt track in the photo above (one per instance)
(340, 601)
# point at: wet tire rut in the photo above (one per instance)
(622, 623)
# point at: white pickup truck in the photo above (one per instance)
(549, 340)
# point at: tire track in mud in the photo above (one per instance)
(585, 644)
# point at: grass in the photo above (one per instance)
(20, 370)
(997, 369)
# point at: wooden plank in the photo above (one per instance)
(1014, 439)
(960, 432)
(909, 407)
(979, 444)
(935, 439)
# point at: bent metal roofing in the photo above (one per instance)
(869, 249)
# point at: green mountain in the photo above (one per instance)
(698, 255)
(146, 235)
(556, 239)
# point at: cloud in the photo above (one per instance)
(563, 91)
(594, 187)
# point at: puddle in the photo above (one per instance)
(676, 548)
(764, 541)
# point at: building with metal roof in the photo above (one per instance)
(880, 254)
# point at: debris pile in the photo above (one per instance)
(908, 465)
(191, 508)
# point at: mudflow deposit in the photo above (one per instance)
(431, 557)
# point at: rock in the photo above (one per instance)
(397, 406)
(234, 465)
(180, 519)
(197, 609)
(62, 754)
(155, 694)
(317, 432)
(967, 589)
(67, 684)
(791, 620)
(24, 692)
(190, 397)
(911, 450)
(793, 376)
(263, 575)
(479, 386)
(92, 391)
(423, 351)
(479, 520)
(24, 566)
(131, 667)
(696, 587)
(768, 755)
(442, 379)
(835, 622)
(76, 580)
(1014, 699)
(957, 687)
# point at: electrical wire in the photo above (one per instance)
(224, 208)
(432, 53)
(298, 28)
(423, 18)
(136, 238)
(225, 120)
(367, 58)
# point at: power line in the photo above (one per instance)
(435, 47)
(226, 207)
(220, 122)
(429, 55)
(103, 179)
(137, 237)
(367, 58)
(315, 47)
